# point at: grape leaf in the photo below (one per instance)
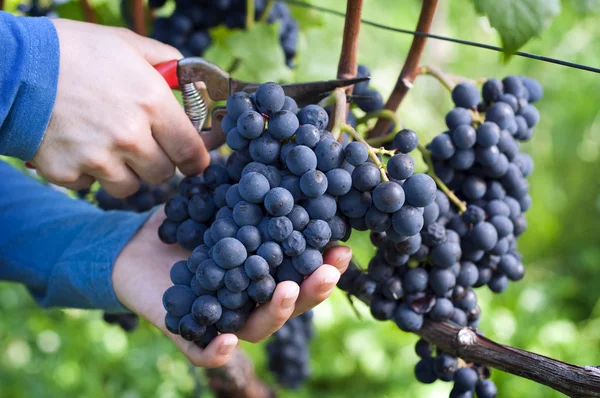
(306, 17)
(256, 52)
(517, 21)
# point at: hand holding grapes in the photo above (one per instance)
(115, 120)
(141, 275)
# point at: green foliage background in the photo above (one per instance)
(554, 311)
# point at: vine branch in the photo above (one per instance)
(573, 380)
(410, 68)
(139, 17)
(467, 344)
(237, 379)
(88, 12)
(348, 64)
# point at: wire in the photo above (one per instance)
(444, 38)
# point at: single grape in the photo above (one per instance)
(356, 153)
(178, 300)
(270, 98)
(283, 125)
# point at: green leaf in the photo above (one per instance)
(256, 51)
(307, 18)
(517, 21)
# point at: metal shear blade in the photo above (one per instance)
(220, 85)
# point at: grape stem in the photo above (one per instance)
(382, 140)
(380, 114)
(410, 68)
(339, 112)
(462, 206)
(442, 77)
(267, 11)
(346, 128)
(249, 14)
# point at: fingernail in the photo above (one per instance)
(289, 299)
(346, 256)
(330, 281)
(228, 345)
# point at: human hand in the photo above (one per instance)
(115, 119)
(141, 275)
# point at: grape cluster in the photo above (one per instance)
(188, 27)
(433, 274)
(288, 189)
(287, 351)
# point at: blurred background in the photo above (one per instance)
(554, 311)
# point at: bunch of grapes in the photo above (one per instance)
(188, 27)
(289, 189)
(433, 274)
(287, 351)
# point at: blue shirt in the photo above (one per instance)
(63, 250)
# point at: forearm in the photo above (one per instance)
(29, 53)
(62, 249)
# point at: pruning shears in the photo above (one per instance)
(183, 74)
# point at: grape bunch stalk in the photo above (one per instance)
(288, 189)
(464, 243)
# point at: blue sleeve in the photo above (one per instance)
(29, 63)
(62, 249)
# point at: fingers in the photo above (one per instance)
(85, 181)
(268, 318)
(216, 354)
(152, 50)
(339, 257)
(178, 138)
(316, 288)
(151, 163)
(121, 182)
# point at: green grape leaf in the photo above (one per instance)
(517, 21)
(256, 53)
(307, 18)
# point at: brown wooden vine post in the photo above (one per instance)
(410, 68)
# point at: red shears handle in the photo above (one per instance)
(168, 70)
